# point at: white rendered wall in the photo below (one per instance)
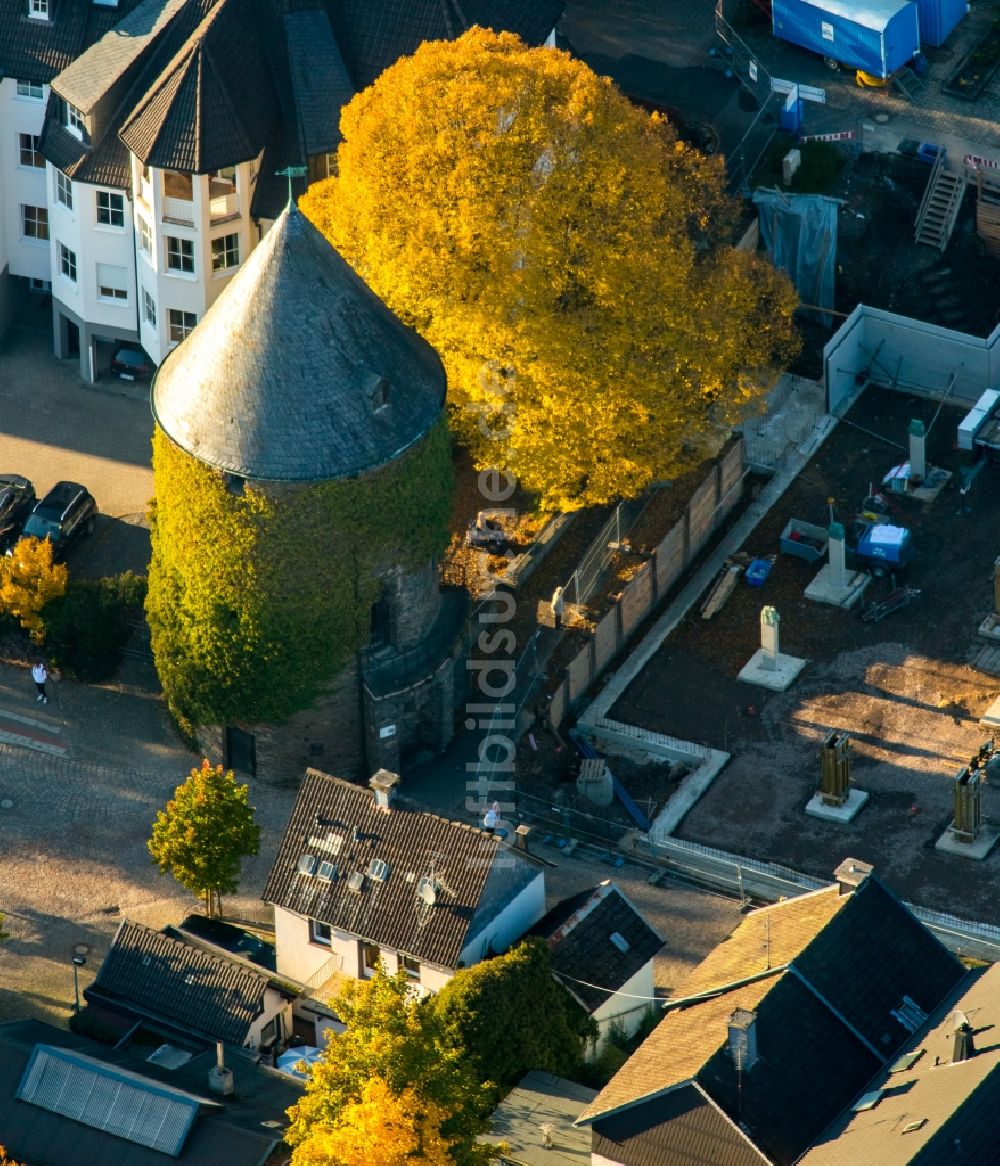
(509, 925)
(21, 184)
(185, 292)
(274, 1005)
(623, 1009)
(299, 958)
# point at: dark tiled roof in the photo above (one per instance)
(36, 50)
(319, 78)
(214, 105)
(182, 984)
(869, 956)
(104, 164)
(415, 845)
(277, 381)
(682, 1126)
(375, 34)
(579, 931)
(232, 1134)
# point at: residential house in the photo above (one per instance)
(602, 952)
(363, 879)
(535, 1123)
(938, 1103)
(68, 1101)
(777, 1031)
(161, 980)
(140, 140)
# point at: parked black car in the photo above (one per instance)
(65, 513)
(130, 363)
(17, 497)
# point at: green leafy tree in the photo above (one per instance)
(204, 833)
(397, 1041)
(86, 628)
(510, 1015)
(565, 254)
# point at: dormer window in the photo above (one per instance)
(380, 395)
(38, 9)
(74, 121)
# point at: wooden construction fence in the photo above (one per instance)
(709, 506)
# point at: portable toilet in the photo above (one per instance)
(938, 19)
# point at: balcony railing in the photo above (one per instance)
(179, 210)
(224, 206)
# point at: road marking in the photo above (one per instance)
(47, 726)
(41, 742)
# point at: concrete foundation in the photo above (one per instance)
(978, 849)
(823, 590)
(932, 485)
(991, 718)
(775, 673)
(817, 808)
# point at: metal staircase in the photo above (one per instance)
(908, 83)
(940, 206)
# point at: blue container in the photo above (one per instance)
(790, 116)
(758, 571)
(878, 36)
(938, 19)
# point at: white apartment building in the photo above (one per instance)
(141, 140)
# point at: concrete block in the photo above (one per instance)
(991, 718)
(817, 808)
(978, 850)
(777, 678)
(822, 590)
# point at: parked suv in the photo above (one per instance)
(17, 497)
(129, 362)
(65, 513)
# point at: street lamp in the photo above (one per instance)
(78, 963)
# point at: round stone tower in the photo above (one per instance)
(302, 475)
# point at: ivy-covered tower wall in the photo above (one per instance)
(301, 503)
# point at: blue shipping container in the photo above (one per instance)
(878, 36)
(938, 19)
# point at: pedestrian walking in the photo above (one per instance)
(558, 606)
(40, 674)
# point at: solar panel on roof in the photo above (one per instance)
(867, 1101)
(105, 1098)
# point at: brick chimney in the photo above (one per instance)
(851, 873)
(521, 837)
(384, 784)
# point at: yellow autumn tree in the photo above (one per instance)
(565, 255)
(28, 580)
(396, 1129)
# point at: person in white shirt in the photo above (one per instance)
(39, 674)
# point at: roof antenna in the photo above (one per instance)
(291, 172)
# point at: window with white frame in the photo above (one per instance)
(38, 9)
(64, 190)
(181, 324)
(31, 155)
(30, 90)
(148, 308)
(225, 252)
(110, 208)
(74, 120)
(180, 255)
(145, 236)
(35, 222)
(320, 933)
(112, 283)
(67, 262)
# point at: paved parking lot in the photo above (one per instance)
(52, 427)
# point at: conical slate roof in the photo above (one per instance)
(298, 372)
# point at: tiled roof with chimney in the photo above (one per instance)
(163, 977)
(401, 878)
(598, 941)
(837, 981)
(928, 1108)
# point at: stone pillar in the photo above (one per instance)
(838, 556)
(769, 640)
(918, 454)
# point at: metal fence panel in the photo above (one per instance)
(606, 641)
(636, 600)
(701, 515)
(731, 473)
(670, 558)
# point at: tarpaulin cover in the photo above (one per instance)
(799, 232)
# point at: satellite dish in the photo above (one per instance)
(427, 892)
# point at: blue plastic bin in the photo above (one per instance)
(758, 571)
